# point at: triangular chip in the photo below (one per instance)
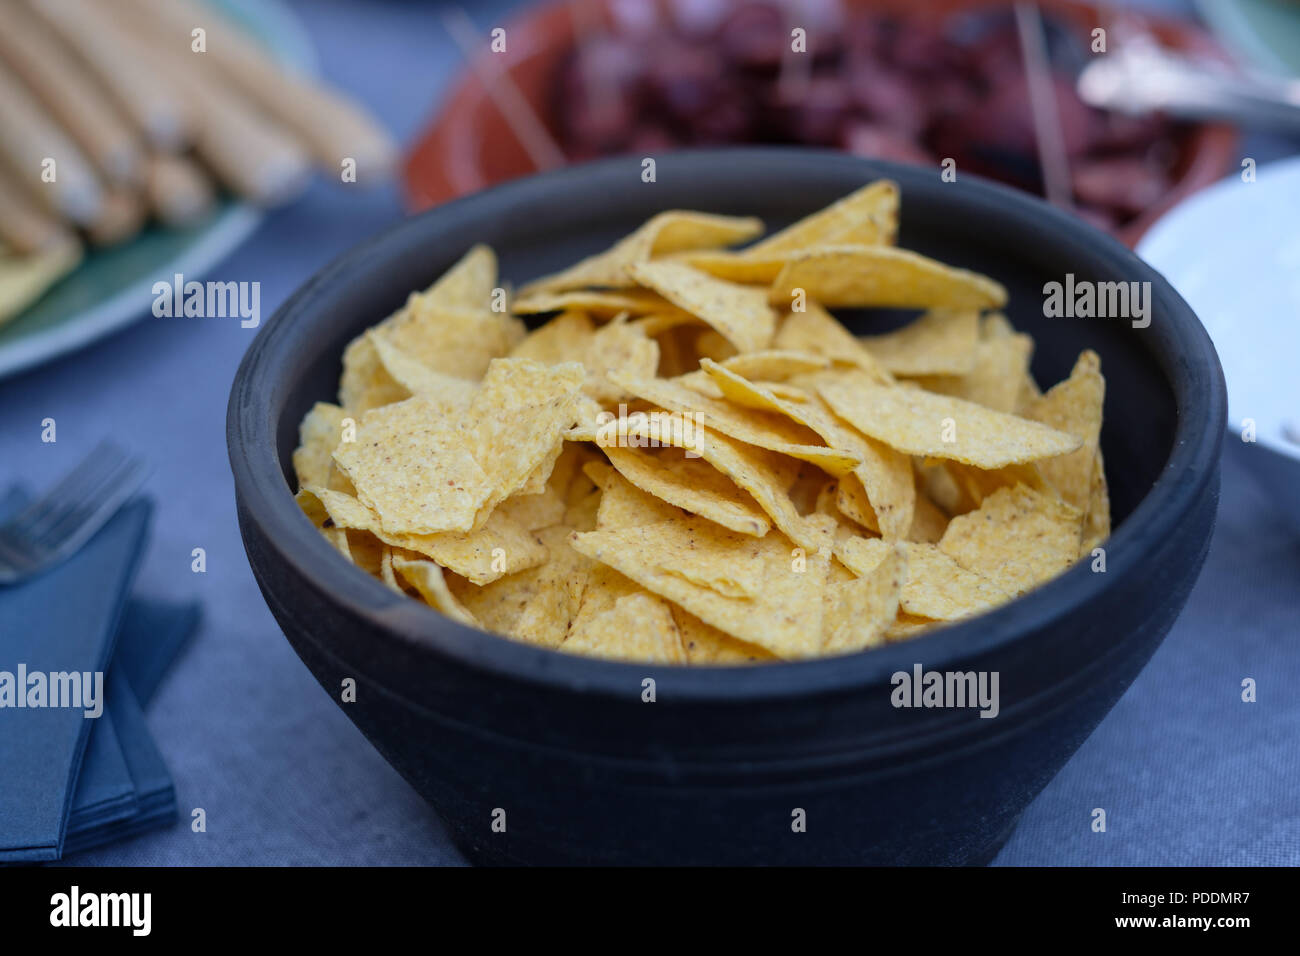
(882, 277)
(786, 614)
(918, 422)
(740, 313)
(415, 469)
(664, 234)
(1017, 538)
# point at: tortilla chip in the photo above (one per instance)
(739, 313)
(539, 604)
(1017, 538)
(815, 330)
(667, 233)
(468, 284)
(883, 475)
(519, 417)
(415, 469)
(693, 485)
(318, 436)
(604, 304)
(882, 276)
(907, 626)
(1074, 406)
(705, 644)
(996, 377)
(916, 422)
(415, 378)
(939, 588)
(928, 521)
(639, 627)
(760, 473)
(773, 431)
(860, 607)
(502, 546)
(1096, 523)
(427, 578)
(867, 216)
(785, 615)
(940, 342)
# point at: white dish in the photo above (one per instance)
(1233, 252)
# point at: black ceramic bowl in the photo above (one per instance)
(715, 769)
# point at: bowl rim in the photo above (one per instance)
(1189, 364)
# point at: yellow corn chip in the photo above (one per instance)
(519, 417)
(940, 342)
(785, 616)
(861, 607)
(415, 469)
(739, 313)
(882, 276)
(815, 330)
(883, 475)
(917, 422)
(452, 392)
(605, 304)
(754, 470)
(639, 627)
(996, 377)
(693, 485)
(939, 588)
(775, 432)
(928, 521)
(427, 578)
(705, 644)
(867, 216)
(502, 546)
(1073, 406)
(318, 436)
(662, 235)
(1017, 538)
(1096, 524)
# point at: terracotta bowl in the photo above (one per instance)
(469, 145)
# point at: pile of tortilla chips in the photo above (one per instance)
(694, 462)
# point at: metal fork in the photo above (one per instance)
(56, 525)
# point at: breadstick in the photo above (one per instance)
(43, 159)
(332, 126)
(179, 192)
(121, 218)
(122, 65)
(59, 81)
(247, 151)
(24, 226)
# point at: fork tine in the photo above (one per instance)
(105, 497)
(88, 489)
(66, 517)
(77, 486)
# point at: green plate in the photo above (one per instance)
(113, 287)
(1265, 33)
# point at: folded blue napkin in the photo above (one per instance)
(153, 635)
(64, 621)
(153, 796)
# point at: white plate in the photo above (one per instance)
(112, 287)
(1233, 252)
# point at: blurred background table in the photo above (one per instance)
(1187, 773)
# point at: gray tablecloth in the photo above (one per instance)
(1186, 771)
